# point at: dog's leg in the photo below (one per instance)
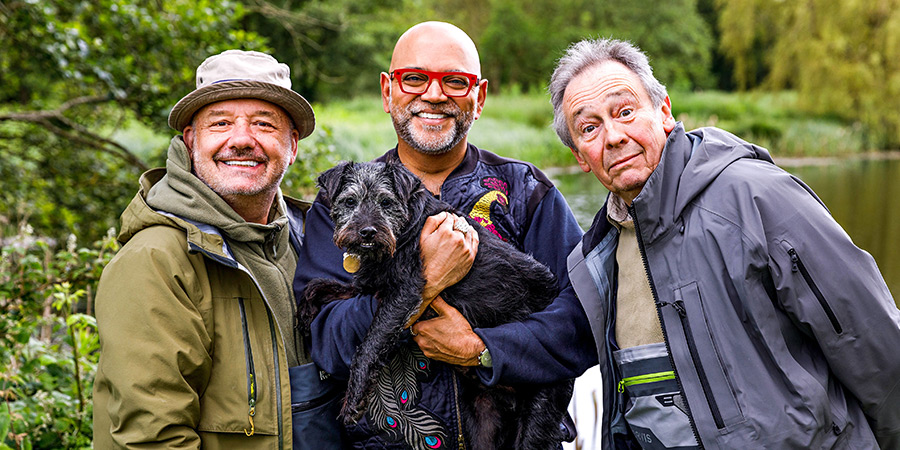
(376, 349)
(541, 415)
(318, 293)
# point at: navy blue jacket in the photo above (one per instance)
(518, 203)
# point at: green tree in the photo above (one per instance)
(72, 73)
(843, 57)
(521, 43)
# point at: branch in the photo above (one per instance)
(81, 134)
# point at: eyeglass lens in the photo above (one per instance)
(453, 85)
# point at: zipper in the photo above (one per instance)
(272, 328)
(232, 263)
(797, 265)
(698, 364)
(637, 231)
(314, 403)
(251, 370)
(646, 378)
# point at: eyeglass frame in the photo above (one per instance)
(473, 80)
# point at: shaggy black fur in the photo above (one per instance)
(379, 210)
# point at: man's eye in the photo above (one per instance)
(626, 112)
(415, 78)
(458, 82)
(265, 124)
(220, 123)
(588, 129)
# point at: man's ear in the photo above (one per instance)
(668, 118)
(581, 162)
(386, 92)
(188, 137)
(482, 95)
(295, 138)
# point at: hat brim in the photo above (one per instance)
(293, 103)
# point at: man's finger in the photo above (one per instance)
(433, 222)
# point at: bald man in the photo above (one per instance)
(434, 91)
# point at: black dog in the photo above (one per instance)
(379, 210)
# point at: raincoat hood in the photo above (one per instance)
(689, 163)
(177, 191)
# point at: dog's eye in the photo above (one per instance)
(387, 203)
(349, 202)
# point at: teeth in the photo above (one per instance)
(432, 116)
(367, 245)
(242, 163)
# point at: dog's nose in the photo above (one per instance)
(367, 232)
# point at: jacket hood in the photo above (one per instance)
(689, 163)
(176, 191)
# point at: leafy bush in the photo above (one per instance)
(48, 340)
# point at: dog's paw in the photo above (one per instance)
(350, 415)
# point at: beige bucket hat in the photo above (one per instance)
(244, 74)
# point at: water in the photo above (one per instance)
(863, 196)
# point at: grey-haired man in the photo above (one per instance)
(196, 312)
(729, 309)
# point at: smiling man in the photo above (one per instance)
(434, 91)
(729, 309)
(195, 313)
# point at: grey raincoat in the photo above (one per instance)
(782, 332)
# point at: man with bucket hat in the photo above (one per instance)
(196, 312)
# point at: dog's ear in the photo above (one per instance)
(406, 184)
(329, 181)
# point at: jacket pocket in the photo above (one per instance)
(315, 404)
(797, 266)
(699, 353)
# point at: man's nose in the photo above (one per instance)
(615, 134)
(434, 93)
(241, 134)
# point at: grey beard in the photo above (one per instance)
(431, 145)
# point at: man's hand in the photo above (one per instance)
(447, 254)
(448, 337)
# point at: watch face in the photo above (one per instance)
(485, 358)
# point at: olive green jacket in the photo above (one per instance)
(196, 317)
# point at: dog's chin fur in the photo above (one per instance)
(503, 285)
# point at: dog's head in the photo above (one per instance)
(371, 205)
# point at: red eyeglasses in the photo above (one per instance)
(453, 84)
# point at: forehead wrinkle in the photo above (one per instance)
(581, 100)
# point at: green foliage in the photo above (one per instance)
(843, 58)
(673, 34)
(522, 41)
(71, 74)
(336, 48)
(771, 120)
(48, 340)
